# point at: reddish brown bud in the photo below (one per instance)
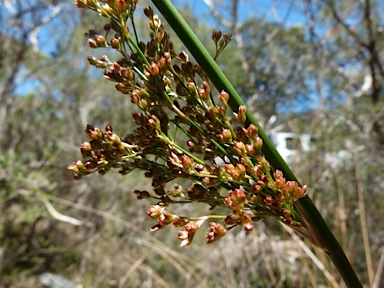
(258, 144)
(100, 41)
(141, 194)
(187, 163)
(186, 236)
(154, 69)
(191, 144)
(115, 43)
(251, 151)
(113, 137)
(127, 74)
(206, 87)
(257, 171)
(245, 218)
(229, 220)
(106, 8)
(224, 97)
(252, 132)
(96, 134)
(154, 122)
(257, 188)
(227, 136)
(155, 211)
(90, 164)
(92, 43)
(180, 222)
(121, 6)
(81, 3)
(241, 116)
(86, 149)
(78, 166)
(148, 12)
(163, 63)
(191, 87)
(239, 147)
(108, 128)
(238, 196)
(286, 213)
(240, 168)
(268, 200)
(166, 218)
(216, 231)
(248, 227)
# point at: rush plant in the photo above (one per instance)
(186, 131)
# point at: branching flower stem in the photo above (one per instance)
(231, 165)
(322, 236)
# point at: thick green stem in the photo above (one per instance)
(305, 206)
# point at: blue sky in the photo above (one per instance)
(265, 9)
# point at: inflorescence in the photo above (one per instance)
(184, 131)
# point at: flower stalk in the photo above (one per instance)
(185, 132)
(317, 230)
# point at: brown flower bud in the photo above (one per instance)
(148, 12)
(90, 164)
(141, 194)
(121, 6)
(258, 144)
(239, 148)
(252, 132)
(191, 144)
(163, 63)
(180, 222)
(80, 165)
(257, 188)
(216, 35)
(100, 41)
(155, 211)
(248, 227)
(114, 138)
(92, 43)
(127, 74)
(246, 218)
(238, 196)
(227, 136)
(187, 163)
(268, 200)
(257, 171)
(229, 220)
(86, 149)
(191, 87)
(224, 97)
(115, 43)
(216, 231)
(81, 3)
(142, 104)
(96, 134)
(186, 236)
(286, 213)
(240, 168)
(241, 116)
(154, 69)
(251, 151)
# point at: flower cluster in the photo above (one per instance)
(184, 131)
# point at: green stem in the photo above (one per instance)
(305, 206)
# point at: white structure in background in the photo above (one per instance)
(291, 145)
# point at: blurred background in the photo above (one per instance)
(312, 71)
